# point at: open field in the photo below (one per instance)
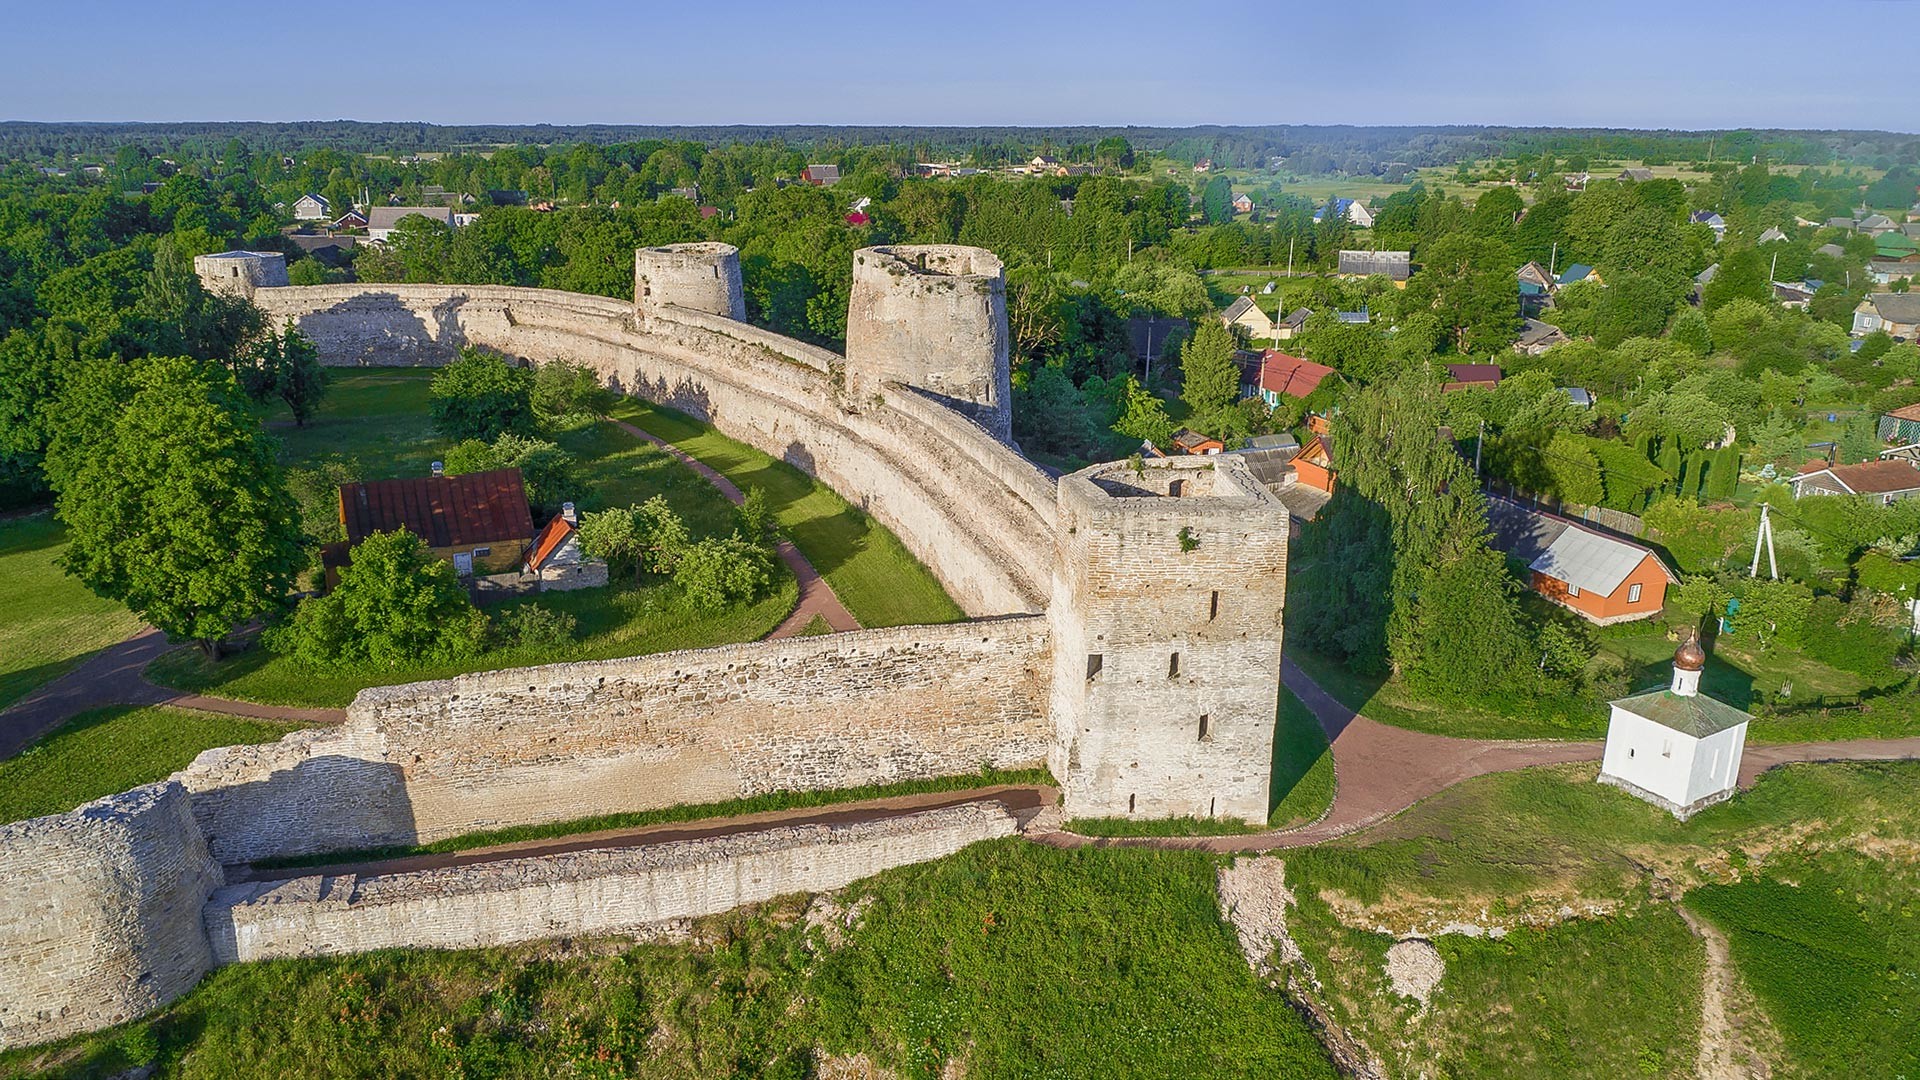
(874, 575)
(48, 621)
(1302, 785)
(109, 750)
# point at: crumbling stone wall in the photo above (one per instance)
(420, 762)
(602, 891)
(100, 913)
(968, 506)
(1166, 619)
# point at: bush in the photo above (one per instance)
(756, 515)
(564, 388)
(480, 396)
(1850, 639)
(649, 537)
(535, 627)
(396, 604)
(550, 473)
(717, 574)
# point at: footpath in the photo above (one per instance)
(817, 598)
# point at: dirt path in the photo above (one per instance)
(817, 598)
(1725, 1054)
(1023, 800)
(112, 676)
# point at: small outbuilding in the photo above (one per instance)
(1600, 577)
(1676, 748)
(556, 560)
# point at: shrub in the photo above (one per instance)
(532, 626)
(756, 515)
(396, 604)
(649, 537)
(1850, 639)
(550, 473)
(716, 574)
(480, 395)
(564, 388)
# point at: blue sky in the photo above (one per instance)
(1725, 63)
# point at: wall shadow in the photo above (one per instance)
(328, 802)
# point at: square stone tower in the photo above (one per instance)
(1166, 637)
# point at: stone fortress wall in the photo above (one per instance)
(112, 909)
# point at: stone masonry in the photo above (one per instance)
(1166, 639)
(417, 763)
(586, 892)
(240, 273)
(1126, 630)
(100, 914)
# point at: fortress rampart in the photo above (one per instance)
(1126, 631)
(417, 763)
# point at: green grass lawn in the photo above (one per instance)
(1018, 960)
(48, 621)
(109, 750)
(374, 417)
(1392, 701)
(1300, 785)
(874, 575)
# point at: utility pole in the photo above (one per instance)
(1773, 269)
(1764, 536)
(1477, 444)
(1290, 242)
(1553, 260)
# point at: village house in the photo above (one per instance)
(1712, 221)
(1888, 480)
(352, 219)
(1243, 203)
(1471, 377)
(1244, 314)
(1576, 273)
(480, 522)
(1147, 335)
(1313, 465)
(1832, 251)
(1537, 337)
(311, 207)
(1639, 176)
(1189, 441)
(1676, 748)
(1896, 313)
(1896, 247)
(1772, 235)
(382, 220)
(821, 175)
(1293, 324)
(1394, 265)
(1792, 294)
(1291, 376)
(1598, 576)
(1536, 275)
(555, 560)
(1875, 225)
(1886, 272)
(1901, 426)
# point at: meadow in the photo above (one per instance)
(48, 621)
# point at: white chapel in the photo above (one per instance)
(1676, 748)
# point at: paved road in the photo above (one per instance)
(112, 676)
(817, 598)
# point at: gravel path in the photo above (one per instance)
(817, 598)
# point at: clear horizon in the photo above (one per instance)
(1712, 65)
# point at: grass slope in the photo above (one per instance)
(48, 621)
(109, 750)
(874, 575)
(1021, 960)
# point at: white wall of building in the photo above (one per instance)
(1670, 764)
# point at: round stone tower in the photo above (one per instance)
(239, 273)
(100, 913)
(933, 317)
(703, 277)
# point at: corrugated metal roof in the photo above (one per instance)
(1589, 560)
(445, 511)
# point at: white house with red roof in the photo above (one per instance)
(556, 560)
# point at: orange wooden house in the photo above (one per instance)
(1313, 466)
(1600, 577)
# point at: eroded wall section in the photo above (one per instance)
(420, 762)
